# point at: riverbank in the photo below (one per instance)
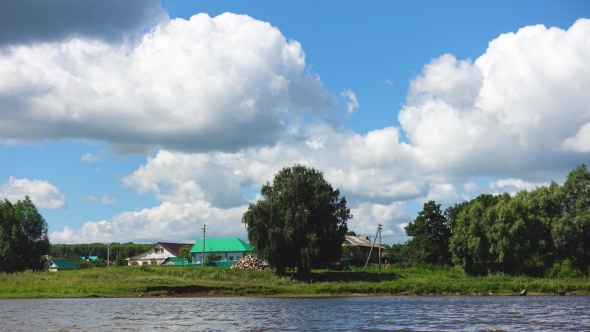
(180, 281)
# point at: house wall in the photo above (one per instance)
(151, 255)
(225, 256)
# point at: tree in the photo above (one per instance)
(185, 251)
(299, 222)
(351, 233)
(210, 259)
(431, 234)
(23, 237)
(572, 230)
(470, 247)
(404, 255)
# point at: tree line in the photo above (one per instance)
(300, 221)
(542, 232)
(118, 251)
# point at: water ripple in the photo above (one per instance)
(559, 313)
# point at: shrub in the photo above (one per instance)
(564, 270)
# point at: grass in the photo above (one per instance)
(198, 281)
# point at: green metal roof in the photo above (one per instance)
(227, 244)
(64, 264)
(178, 260)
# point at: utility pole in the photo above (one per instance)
(203, 252)
(379, 231)
(378, 234)
(108, 254)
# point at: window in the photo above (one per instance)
(159, 250)
(231, 258)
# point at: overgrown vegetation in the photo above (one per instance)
(197, 281)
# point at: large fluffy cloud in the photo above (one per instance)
(42, 193)
(516, 115)
(28, 21)
(219, 83)
(520, 108)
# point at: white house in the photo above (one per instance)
(157, 254)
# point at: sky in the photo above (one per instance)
(140, 121)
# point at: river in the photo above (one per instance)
(415, 313)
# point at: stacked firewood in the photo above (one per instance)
(248, 263)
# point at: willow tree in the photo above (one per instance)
(23, 237)
(299, 222)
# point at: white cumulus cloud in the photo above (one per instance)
(515, 108)
(167, 221)
(42, 193)
(220, 83)
(580, 142)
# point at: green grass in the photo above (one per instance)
(191, 281)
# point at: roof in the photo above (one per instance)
(227, 244)
(173, 247)
(359, 241)
(177, 260)
(64, 264)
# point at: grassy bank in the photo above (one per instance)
(196, 281)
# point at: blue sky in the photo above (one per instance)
(144, 120)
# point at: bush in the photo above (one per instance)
(564, 270)
(211, 259)
(83, 264)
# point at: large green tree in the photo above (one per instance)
(571, 231)
(23, 237)
(299, 222)
(430, 234)
(469, 245)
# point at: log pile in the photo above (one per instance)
(248, 263)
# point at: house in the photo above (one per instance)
(364, 243)
(230, 249)
(175, 261)
(157, 254)
(55, 265)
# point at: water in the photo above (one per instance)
(485, 313)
